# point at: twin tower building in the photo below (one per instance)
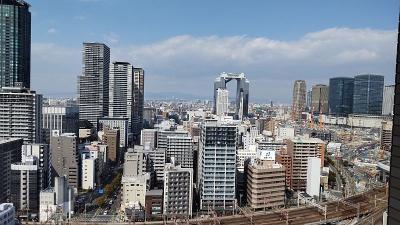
(110, 90)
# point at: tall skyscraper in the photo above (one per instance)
(121, 91)
(93, 83)
(222, 102)
(138, 101)
(126, 94)
(20, 114)
(15, 43)
(394, 181)
(368, 94)
(242, 92)
(299, 99)
(341, 96)
(319, 99)
(217, 165)
(388, 100)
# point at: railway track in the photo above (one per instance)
(357, 205)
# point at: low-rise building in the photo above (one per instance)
(134, 190)
(154, 204)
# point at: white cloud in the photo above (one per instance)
(187, 64)
(51, 30)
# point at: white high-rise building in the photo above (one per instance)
(126, 94)
(20, 114)
(88, 172)
(222, 102)
(388, 100)
(313, 176)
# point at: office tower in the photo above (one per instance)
(25, 185)
(341, 91)
(265, 183)
(217, 165)
(64, 118)
(178, 189)
(93, 83)
(388, 100)
(298, 99)
(282, 157)
(319, 99)
(116, 123)
(10, 152)
(138, 101)
(154, 204)
(7, 214)
(20, 114)
(112, 140)
(135, 163)
(42, 156)
(368, 94)
(63, 157)
(300, 149)
(242, 92)
(15, 43)
(308, 100)
(313, 176)
(222, 102)
(181, 149)
(149, 138)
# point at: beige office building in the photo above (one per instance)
(265, 184)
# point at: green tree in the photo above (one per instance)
(100, 201)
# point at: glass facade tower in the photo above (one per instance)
(341, 95)
(15, 43)
(368, 94)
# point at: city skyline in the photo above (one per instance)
(272, 51)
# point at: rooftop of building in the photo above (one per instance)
(301, 139)
(154, 192)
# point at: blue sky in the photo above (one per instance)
(183, 45)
